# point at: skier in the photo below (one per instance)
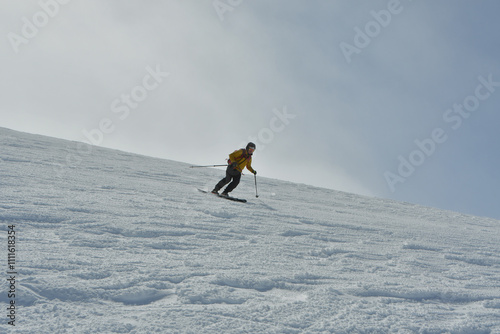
(238, 160)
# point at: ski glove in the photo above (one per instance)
(255, 172)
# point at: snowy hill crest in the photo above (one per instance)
(124, 243)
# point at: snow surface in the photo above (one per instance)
(111, 242)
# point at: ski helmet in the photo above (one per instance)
(250, 145)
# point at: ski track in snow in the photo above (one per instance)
(122, 243)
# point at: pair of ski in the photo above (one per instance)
(226, 197)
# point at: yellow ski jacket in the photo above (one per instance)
(242, 160)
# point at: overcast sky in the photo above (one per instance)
(394, 99)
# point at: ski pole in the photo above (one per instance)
(255, 176)
(208, 166)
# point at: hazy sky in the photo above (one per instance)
(394, 99)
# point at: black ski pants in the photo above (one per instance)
(231, 174)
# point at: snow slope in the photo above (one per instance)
(111, 242)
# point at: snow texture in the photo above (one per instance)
(111, 242)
